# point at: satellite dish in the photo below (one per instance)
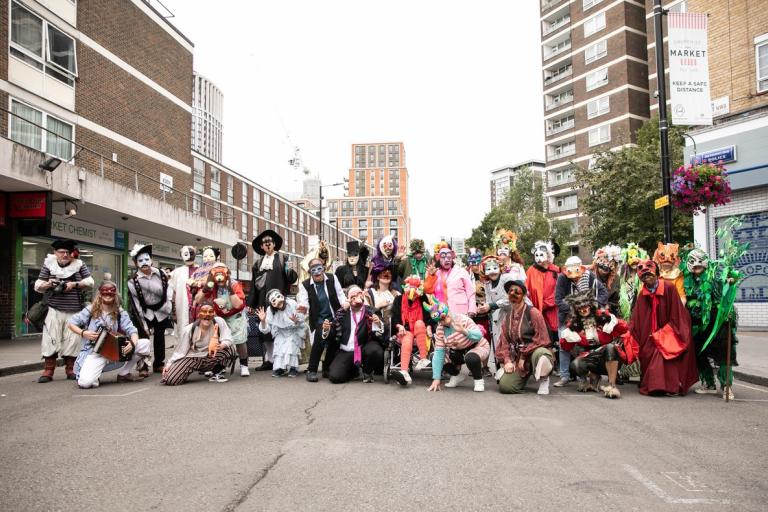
(239, 251)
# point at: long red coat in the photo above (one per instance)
(661, 375)
(541, 290)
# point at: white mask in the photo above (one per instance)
(144, 260)
(209, 256)
(540, 256)
(276, 299)
(352, 260)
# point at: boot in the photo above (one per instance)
(48, 368)
(69, 367)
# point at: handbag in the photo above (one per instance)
(38, 312)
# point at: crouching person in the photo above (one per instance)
(205, 346)
(593, 336)
(523, 344)
(105, 313)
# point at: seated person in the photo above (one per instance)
(458, 340)
(592, 336)
(356, 341)
(523, 344)
(105, 312)
(411, 323)
(205, 346)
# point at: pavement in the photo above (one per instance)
(23, 355)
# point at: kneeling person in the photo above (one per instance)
(205, 346)
(105, 313)
(523, 344)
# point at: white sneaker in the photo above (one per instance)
(407, 377)
(543, 386)
(422, 364)
(703, 389)
(244, 371)
(218, 377)
(455, 380)
(479, 385)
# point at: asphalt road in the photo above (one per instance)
(269, 444)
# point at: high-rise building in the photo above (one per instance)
(737, 44)
(207, 118)
(595, 74)
(377, 201)
(503, 177)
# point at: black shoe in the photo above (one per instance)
(44, 378)
(266, 365)
(325, 374)
(311, 376)
(398, 377)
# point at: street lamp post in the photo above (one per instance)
(658, 12)
(320, 213)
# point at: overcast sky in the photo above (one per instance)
(459, 83)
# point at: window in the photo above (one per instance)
(230, 220)
(244, 189)
(761, 66)
(561, 72)
(596, 51)
(557, 48)
(196, 204)
(681, 7)
(589, 3)
(363, 234)
(378, 223)
(558, 125)
(277, 211)
(561, 150)
(594, 24)
(198, 175)
(346, 224)
(243, 226)
(393, 223)
(553, 101)
(392, 207)
(599, 135)
(26, 133)
(597, 79)
(598, 107)
(362, 223)
(267, 207)
(42, 45)
(230, 189)
(362, 207)
(215, 183)
(256, 203)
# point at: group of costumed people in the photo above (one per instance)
(667, 319)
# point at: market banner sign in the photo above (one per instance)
(689, 69)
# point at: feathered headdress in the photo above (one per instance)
(505, 239)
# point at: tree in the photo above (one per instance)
(522, 211)
(620, 190)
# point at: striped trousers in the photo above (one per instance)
(180, 370)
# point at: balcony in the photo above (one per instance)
(561, 153)
(557, 129)
(548, 4)
(548, 29)
(559, 76)
(563, 205)
(559, 102)
(558, 50)
(560, 179)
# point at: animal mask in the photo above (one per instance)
(647, 267)
(436, 309)
(543, 252)
(490, 268)
(218, 276)
(413, 288)
(667, 255)
(632, 254)
(697, 258)
(475, 256)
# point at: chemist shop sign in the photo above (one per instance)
(63, 227)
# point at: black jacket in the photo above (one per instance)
(279, 277)
(314, 301)
(343, 326)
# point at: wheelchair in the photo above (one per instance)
(392, 356)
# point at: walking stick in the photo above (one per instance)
(728, 365)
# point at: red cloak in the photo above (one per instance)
(668, 363)
(541, 285)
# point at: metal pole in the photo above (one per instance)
(727, 386)
(661, 83)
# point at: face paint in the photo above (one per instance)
(209, 256)
(144, 260)
(352, 260)
(515, 294)
(446, 258)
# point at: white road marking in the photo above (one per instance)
(684, 481)
(115, 396)
(749, 400)
(659, 492)
(750, 387)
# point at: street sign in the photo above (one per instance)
(661, 202)
(724, 155)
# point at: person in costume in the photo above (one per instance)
(151, 296)
(661, 327)
(541, 283)
(415, 262)
(105, 313)
(705, 281)
(450, 283)
(322, 253)
(271, 270)
(496, 298)
(631, 255)
(210, 256)
(181, 279)
(355, 272)
(411, 324)
(575, 277)
(667, 257)
(593, 335)
(356, 341)
(62, 278)
(474, 257)
(320, 296)
(605, 265)
(384, 257)
(381, 295)
(524, 342)
(205, 346)
(228, 300)
(458, 341)
(286, 324)
(510, 262)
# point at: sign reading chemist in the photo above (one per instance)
(63, 227)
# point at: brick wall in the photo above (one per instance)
(742, 201)
(114, 99)
(123, 29)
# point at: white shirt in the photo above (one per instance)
(349, 346)
(267, 261)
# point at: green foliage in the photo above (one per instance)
(522, 211)
(621, 188)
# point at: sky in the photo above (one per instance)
(458, 83)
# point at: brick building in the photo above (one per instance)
(377, 201)
(106, 87)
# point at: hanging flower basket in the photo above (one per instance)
(695, 187)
